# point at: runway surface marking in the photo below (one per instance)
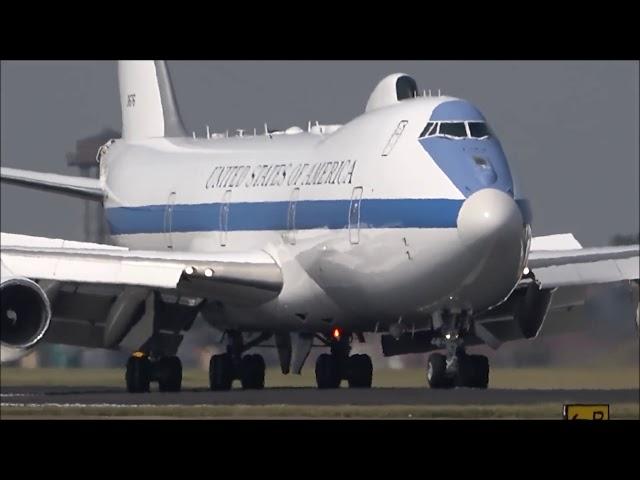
(115, 397)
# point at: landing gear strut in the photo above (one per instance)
(457, 368)
(332, 368)
(141, 371)
(226, 367)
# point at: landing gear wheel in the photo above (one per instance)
(473, 371)
(169, 373)
(359, 371)
(437, 372)
(327, 371)
(138, 375)
(252, 369)
(221, 372)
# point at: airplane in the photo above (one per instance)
(403, 223)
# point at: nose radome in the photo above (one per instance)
(488, 214)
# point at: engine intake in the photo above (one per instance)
(25, 313)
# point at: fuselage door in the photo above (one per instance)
(224, 218)
(291, 217)
(354, 215)
(168, 220)
(395, 136)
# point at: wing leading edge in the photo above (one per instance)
(244, 277)
(86, 188)
(567, 266)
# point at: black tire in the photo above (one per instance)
(221, 372)
(252, 368)
(138, 375)
(437, 372)
(360, 371)
(169, 374)
(473, 371)
(481, 371)
(327, 372)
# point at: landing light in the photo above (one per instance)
(526, 271)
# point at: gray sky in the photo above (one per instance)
(569, 128)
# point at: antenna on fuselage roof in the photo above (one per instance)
(429, 92)
(439, 93)
(309, 126)
(208, 132)
(194, 135)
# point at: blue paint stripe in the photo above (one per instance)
(310, 214)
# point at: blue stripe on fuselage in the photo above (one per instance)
(309, 214)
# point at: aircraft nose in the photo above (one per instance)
(489, 215)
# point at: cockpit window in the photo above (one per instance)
(430, 129)
(453, 129)
(479, 130)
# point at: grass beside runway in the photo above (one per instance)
(550, 411)
(513, 378)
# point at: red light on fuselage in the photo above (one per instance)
(336, 333)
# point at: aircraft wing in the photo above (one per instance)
(568, 266)
(86, 188)
(562, 278)
(238, 276)
(101, 296)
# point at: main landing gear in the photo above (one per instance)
(332, 368)
(232, 365)
(457, 368)
(141, 371)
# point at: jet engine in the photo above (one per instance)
(25, 315)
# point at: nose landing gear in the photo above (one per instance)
(457, 368)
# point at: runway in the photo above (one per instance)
(80, 396)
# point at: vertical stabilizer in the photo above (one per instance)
(149, 109)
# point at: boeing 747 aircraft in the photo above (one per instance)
(403, 222)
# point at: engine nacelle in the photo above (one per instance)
(25, 316)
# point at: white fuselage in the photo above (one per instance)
(363, 239)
